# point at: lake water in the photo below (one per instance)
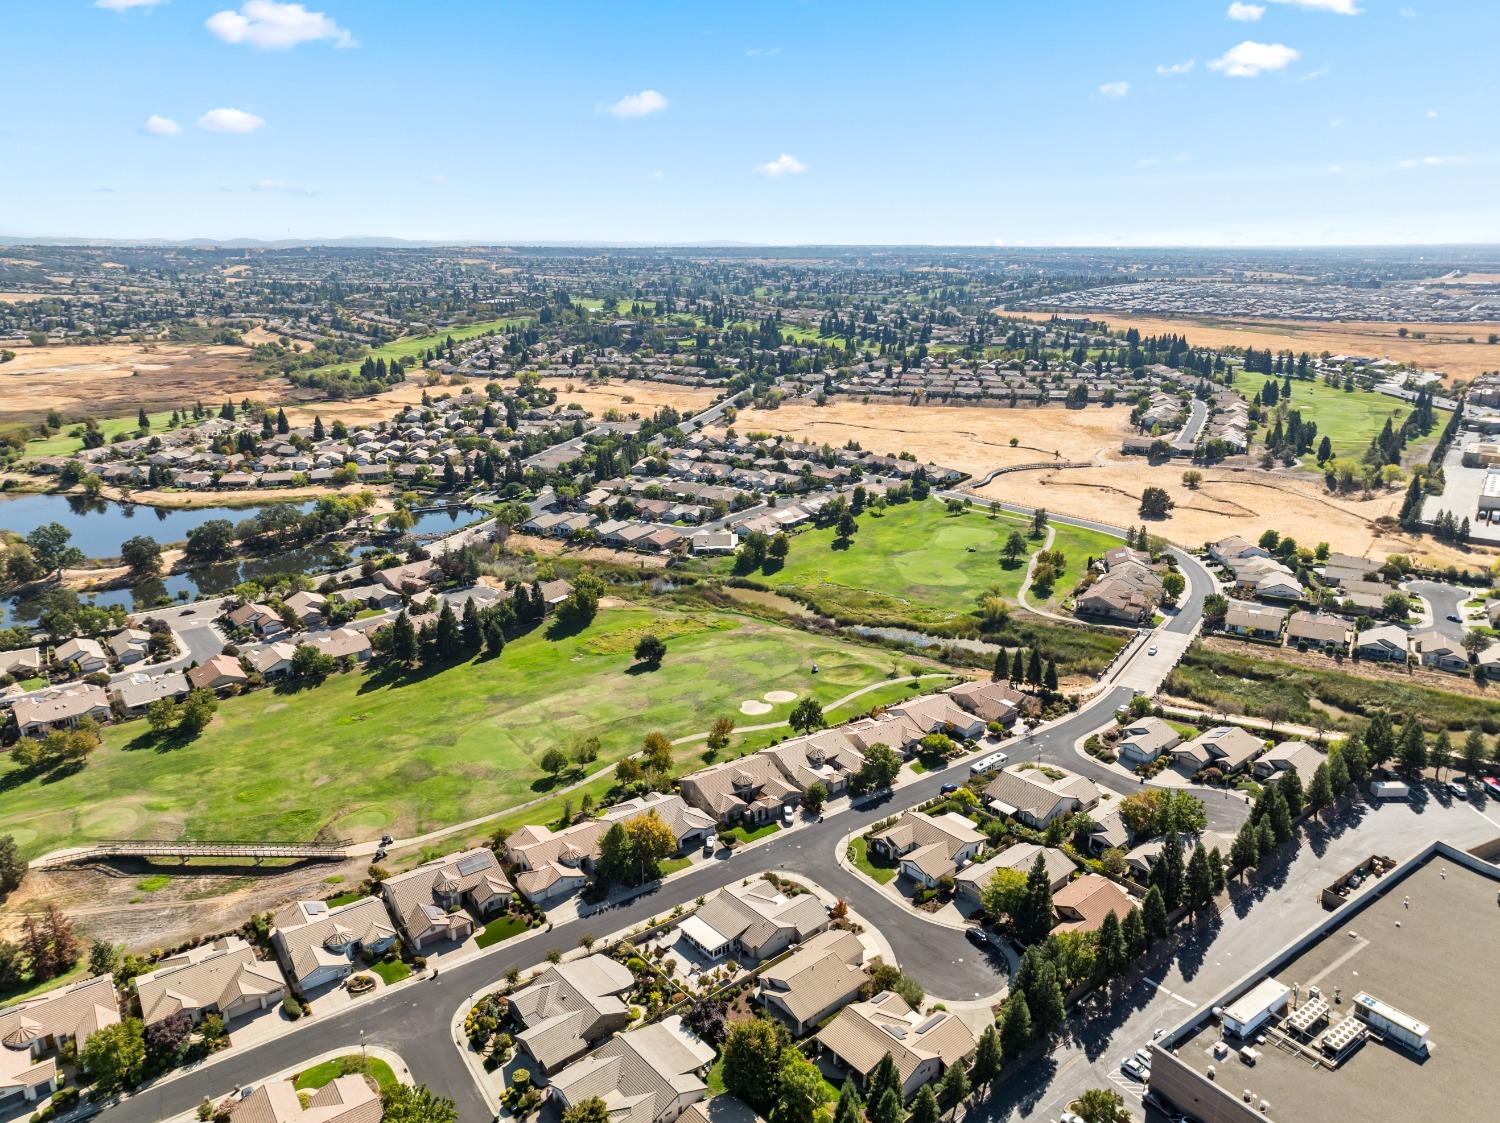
(100, 526)
(445, 519)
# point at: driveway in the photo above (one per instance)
(1444, 600)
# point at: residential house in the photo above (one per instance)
(218, 673)
(753, 921)
(1295, 756)
(938, 713)
(1254, 621)
(318, 943)
(85, 654)
(752, 789)
(650, 1075)
(343, 643)
(1145, 739)
(929, 847)
(822, 975)
(344, 1099)
(720, 1109)
(1129, 593)
(1319, 630)
(33, 1033)
(26, 662)
(1225, 747)
(1108, 833)
(1388, 643)
(136, 691)
(59, 708)
(1231, 549)
(411, 578)
(1020, 857)
(130, 645)
(273, 660)
(827, 757)
(307, 607)
(1139, 859)
(223, 978)
(998, 702)
(922, 1046)
(429, 903)
(1434, 649)
(261, 619)
(1082, 905)
(1033, 797)
(569, 1007)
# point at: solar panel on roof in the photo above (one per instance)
(474, 863)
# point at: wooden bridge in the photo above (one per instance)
(155, 848)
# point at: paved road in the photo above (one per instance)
(1445, 600)
(1187, 436)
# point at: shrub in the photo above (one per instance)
(292, 1008)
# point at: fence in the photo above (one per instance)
(151, 848)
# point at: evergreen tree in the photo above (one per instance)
(494, 637)
(1046, 1000)
(1320, 791)
(141, 420)
(472, 628)
(1265, 837)
(283, 426)
(955, 1085)
(1167, 872)
(1034, 917)
(1049, 680)
(1216, 876)
(1290, 786)
(1133, 928)
(1111, 957)
(1015, 1027)
(1154, 913)
(318, 432)
(885, 1078)
(1279, 816)
(1017, 668)
(1412, 754)
(1338, 774)
(1034, 668)
(1441, 755)
(886, 1107)
(403, 639)
(924, 1109)
(1474, 753)
(851, 1109)
(1200, 886)
(987, 1058)
(447, 641)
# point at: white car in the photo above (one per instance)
(1151, 650)
(1132, 1067)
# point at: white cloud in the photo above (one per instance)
(1115, 89)
(125, 5)
(161, 126)
(1336, 123)
(1174, 69)
(280, 185)
(1432, 162)
(763, 52)
(655, 177)
(642, 104)
(782, 165)
(1408, 13)
(1248, 59)
(274, 26)
(1245, 13)
(1340, 7)
(230, 121)
(1432, 113)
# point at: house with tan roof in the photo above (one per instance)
(223, 978)
(1035, 798)
(826, 757)
(85, 654)
(344, 1099)
(570, 1007)
(999, 702)
(923, 1047)
(1020, 857)
(753, 921)
(318, 944)
(1145, 739)
(1225, 747)
(130, 645)
(649, 1075)
(434, 902)
(822, 975)
(751, 789)
(1320, 630)
(938, 713)
(59, 708)
(1082, 905)
(929, 847)
(1255, 621)
(722, 1108)
(32, 1033)
(25, 662)
(218, 673)
(1296, 756)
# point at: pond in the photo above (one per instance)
(445, 519)
(99, 526)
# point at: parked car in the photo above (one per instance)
(978, 936)
(1459, 789)
(708, 847)
(787, 814)
(1151, 650)
(1455, 617)
(1492, 787)
(1132, 1067)
(948, 788)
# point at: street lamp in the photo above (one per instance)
(362, 1044)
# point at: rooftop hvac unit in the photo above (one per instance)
(1249, 1055)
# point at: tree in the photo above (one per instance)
(406, 1103)
(651, 841)
(1412, 754)
(49, 546)
(879, 770)
(845, 528)
(1015, 1027)
(1200, 884)
(1474, 756)
(1172, 585)
(196, 711)
(311, 665)
(1045, 999)
(851, 1108)
(12, 865)
(104, 957)
(1155, 503)
(1133, 929)
(1014, 547)
(1192, 477)
(1154, 913)
(955, 1086)
(719, 733)
(799, 1089)
(1167, 871)
(650, 650)
(161, 715)
(1113, 957)
(657, 751)
(1320, 791)
(987, 1058)
(885, 1078)
(1034, 919)
(1034, 668)
(924, 1109)
(115, 1056)
(211, 541)
(553, 761)
(752, 1062)
(1003, 893)
(167, 1038)
(142, 556)
(471, 628)
(815, 796)
(1100, 1105)
(403, 639)
(806, 716)
(591, 1110)
(446, 641)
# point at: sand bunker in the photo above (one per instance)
(752, 707)
(779, 696)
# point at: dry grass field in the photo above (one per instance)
(115, 379)
(27, 297)
(973, 439)
(1445, 348)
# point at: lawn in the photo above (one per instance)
(915, 563)
(311, 1079)
(344, 899)
(1347, 418)
(500, 929)
(859, 854)
(365, 754)
(392, 972)
(742, 836)
(62, 443)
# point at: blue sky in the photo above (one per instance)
(1015, 122)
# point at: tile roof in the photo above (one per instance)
(1083, 904)
(216, 974)
(864, 1032)
(344, 1099)
(70, 1012)
(312, 935)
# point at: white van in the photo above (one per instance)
(987, 764)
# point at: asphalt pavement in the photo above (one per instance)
(1444, 600)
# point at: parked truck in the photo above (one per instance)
(1389, 789)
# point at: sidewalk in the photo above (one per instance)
(375, 1052)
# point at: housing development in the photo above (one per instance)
(702, 621)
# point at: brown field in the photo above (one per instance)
(647, 397)
(1229, 501)
(97, 380)
(1445, 349)
(973, 439)
(26, 297)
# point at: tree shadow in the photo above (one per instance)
(643, 668)
(841, 544)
